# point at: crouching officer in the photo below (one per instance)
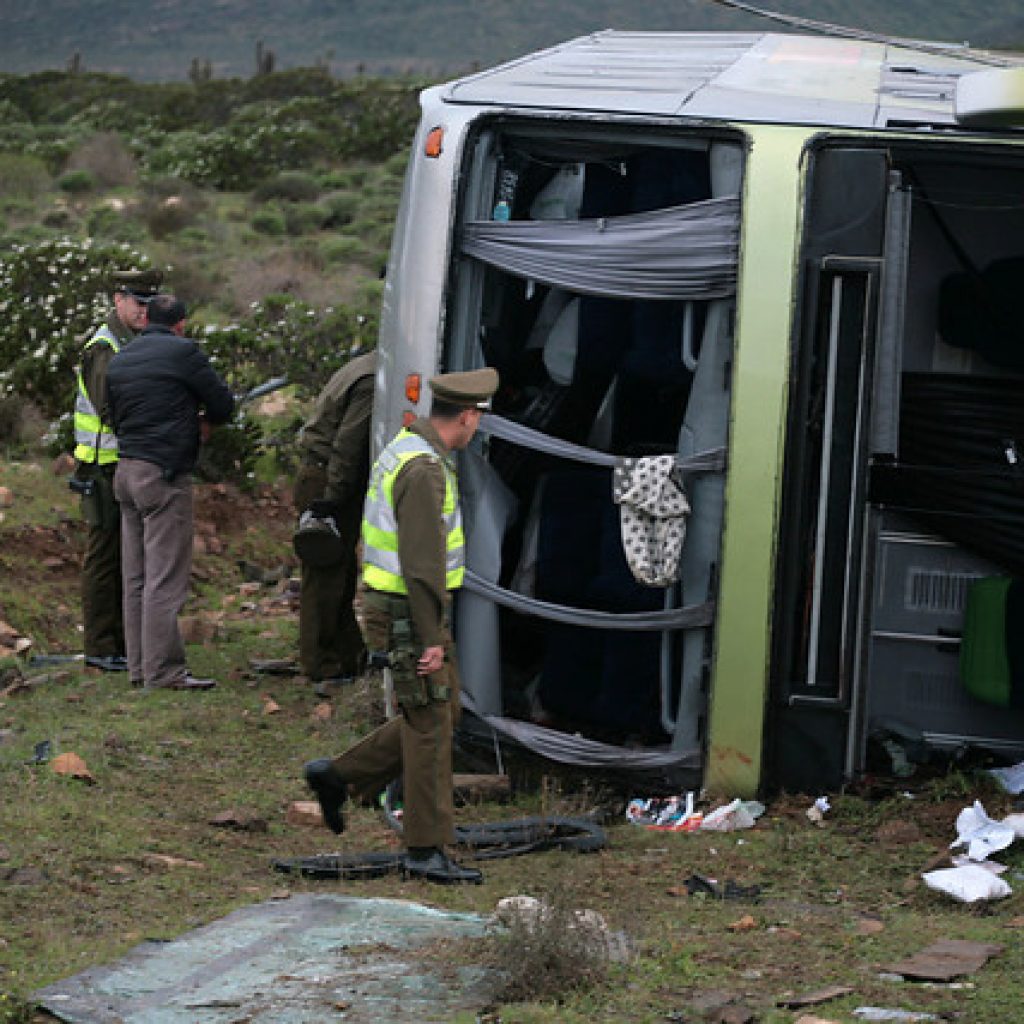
(329, 492)
(96, 455)
(413, 557)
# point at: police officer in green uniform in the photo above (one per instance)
(413, 558)
(329, 492)
(96, 455)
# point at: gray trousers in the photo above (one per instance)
(156, 558)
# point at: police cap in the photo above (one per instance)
(471, 388)
(141, 284)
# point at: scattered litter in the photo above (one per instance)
(41, 752)
(678, 814)
(821, 995)
(72, 765)
(700, 885)
(981, 834)
(746, 923)
(817, 811)
(945, 960)
(270, 706)
(665, 814)
(882, 1013)
(1011, 779)
(967, 883)
(736, 815)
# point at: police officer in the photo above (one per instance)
(96, 455)
(413, 557)
(329, 489)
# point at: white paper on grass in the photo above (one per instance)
(981, 834)
(1011, 779)
(968, 884)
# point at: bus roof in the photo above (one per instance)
(773, 78)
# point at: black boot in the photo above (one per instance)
(330, 789)
(436, 866)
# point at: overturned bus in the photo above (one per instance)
(787, 266)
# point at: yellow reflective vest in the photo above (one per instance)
(381, 567)
(94, 439)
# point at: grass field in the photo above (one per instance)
(90, 869)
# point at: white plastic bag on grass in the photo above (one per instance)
(967, 884)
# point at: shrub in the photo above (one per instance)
(549, 951)
(51, 295)
(300, 218)
(76, 182)
(343, 249)
(22, 175)
(106, 158)
(291, 186)
(339, 209)
(268, 221)
(114, 223)
(59, 218)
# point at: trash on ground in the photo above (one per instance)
(736, 815)
(41, 752)
(968, 883)
(72, 765)
(818, 996)
(981, 834)
(700, 885)
(945, 960)
(817, 811)
(1011, 779)
(883, 1013)
(678, 814)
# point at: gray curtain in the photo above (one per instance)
(678, 252)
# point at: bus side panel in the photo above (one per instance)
(412, 313)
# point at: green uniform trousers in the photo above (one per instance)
(330, 640)
(416, 744)
(102, 596)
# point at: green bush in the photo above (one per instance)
(291, 186)
(343, 249)
(339, 209)
(283, 335)
(268, 221)
(22, 175)
(77, 182)
(301, 218)
(52, 294)
(114, 225)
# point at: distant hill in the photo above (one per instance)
(157, 40)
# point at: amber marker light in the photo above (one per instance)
(413, 384)
(432, 147)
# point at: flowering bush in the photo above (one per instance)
(52, 295)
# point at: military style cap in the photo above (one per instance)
(471, 388)
(142, 284)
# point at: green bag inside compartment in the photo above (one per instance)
(984, 666)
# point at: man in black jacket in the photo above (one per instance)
(162, 392)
